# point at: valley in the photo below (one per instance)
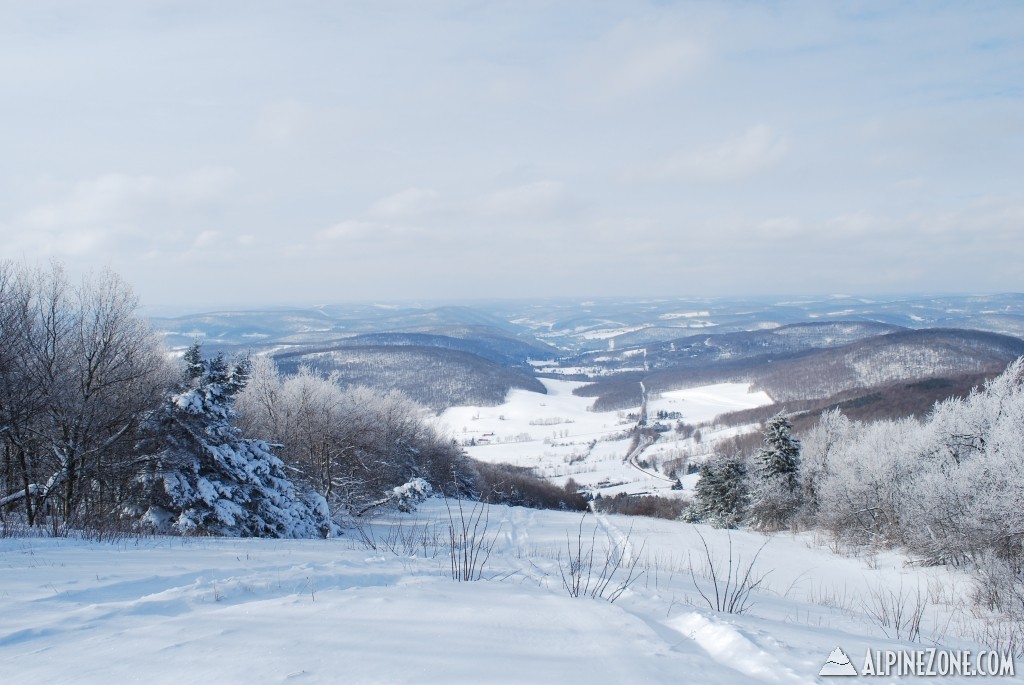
(558, 386)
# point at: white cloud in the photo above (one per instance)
(781, 227)
(344, 230)
(651, 66)
(94, 213)
(757, 149)
(282, 122)
(650, 53)
(206, 239)
(530, 200)
(409, 202)
(860, 225)
(361, 230)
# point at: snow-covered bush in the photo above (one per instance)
(407, 496)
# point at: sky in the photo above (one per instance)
(240, 153)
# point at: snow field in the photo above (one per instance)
(167, 610)
(699, 405)
(558, 437)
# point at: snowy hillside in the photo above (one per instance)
(381, 607)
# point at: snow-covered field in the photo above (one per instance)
(698, 405)
(557, 436)
(171, 610)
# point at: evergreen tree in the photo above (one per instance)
(207, 479)
(779, 457)
(721, 493)
(776, 496)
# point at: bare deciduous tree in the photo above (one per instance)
(83, 371)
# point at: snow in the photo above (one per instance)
(560, 438)
(173, 610)
(685, 315)
(705, 403)
(605, 333)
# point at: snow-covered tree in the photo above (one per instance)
(776, 492)
(817, 452)
(204, 478)
(722, 493)
(871, 479)
(350, 444)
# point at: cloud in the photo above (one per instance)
(651, 66)
(93, 213)
(757, 149)
(361, 230)
(540, 198)
(206, 239)
(282, 122)
(409, 202)
(862, 225)
(781, 227)
(639, 55)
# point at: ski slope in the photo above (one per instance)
(172, 610)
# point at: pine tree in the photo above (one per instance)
(207, 479)
(779, 457)
(776, 496)
(721, 493)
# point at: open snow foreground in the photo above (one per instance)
(380, 606)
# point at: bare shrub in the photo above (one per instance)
(586, 573)
(401, 540)
(897, 613)
(999, 634)
(732, 584)
(469, 546)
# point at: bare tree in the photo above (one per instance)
(86, 371)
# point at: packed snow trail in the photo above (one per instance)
(727, 645)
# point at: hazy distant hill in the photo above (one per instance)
(274, 328)
(434, 376)
(575, 326)
(476, 340)
(797, 348)
(896, 357)
(811, 361)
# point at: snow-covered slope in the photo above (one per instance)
(171, 610)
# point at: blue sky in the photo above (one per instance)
(235, 153)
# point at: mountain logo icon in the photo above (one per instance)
(838, 664)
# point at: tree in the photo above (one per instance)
(84, 372)
(722, 493)
(350, 444)
(817, 452)
(204, 478)
(776, 494)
